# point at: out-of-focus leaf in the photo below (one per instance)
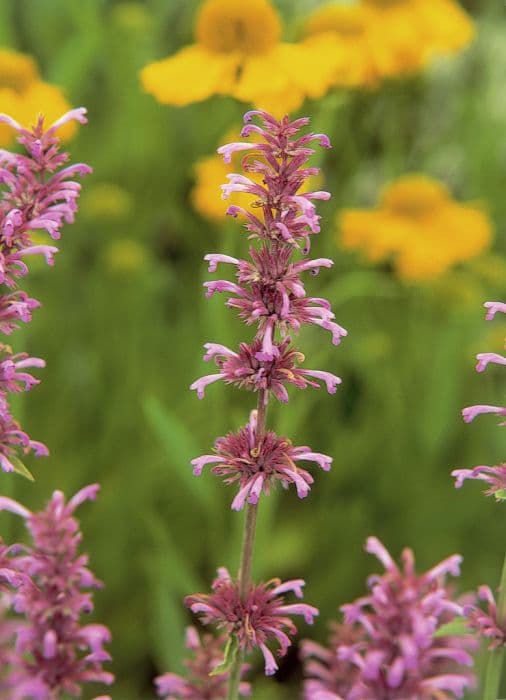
(179, 447)
(456, 628)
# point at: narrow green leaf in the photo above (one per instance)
(179, 447)
(20, 468)
(231, 650)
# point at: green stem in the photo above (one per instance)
(496, 656)
(248, 542)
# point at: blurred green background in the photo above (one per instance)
(124, 319)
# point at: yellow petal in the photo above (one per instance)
(9, 104)
(265, 82)
(46, 99)
(191, 75)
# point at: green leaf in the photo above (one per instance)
(456, 628)
(179, 447)
(231, 650)
(20, 468)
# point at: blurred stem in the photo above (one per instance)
(496, 657)
(248, 542)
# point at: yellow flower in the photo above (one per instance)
(418, 227)
(23, 95)
(211, 172)
(238, 52)
(378, 39)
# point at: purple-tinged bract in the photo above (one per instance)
(260, 617)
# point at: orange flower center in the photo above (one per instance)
(414, 197)
(246, 26)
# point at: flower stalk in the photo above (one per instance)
(269, 292)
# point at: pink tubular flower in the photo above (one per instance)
(486, 624)
(55, 653)
(400, 658)
(260, 617)
(494, 476)
(255, 464)
(199, 683)
(253, 368)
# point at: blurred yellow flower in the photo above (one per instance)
(418, 227)
(238, 52)
(211, 172)
(23, 95)
(125, 255)
(106, 201)
(385, 38)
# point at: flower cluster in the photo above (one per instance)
(255, 464)
(392, 643)
(494, 476)
(377, 40)
(201, 683)
(346, 46)
(54, 653)
(261, 616)
(38, 194)
(23, 95)
(240, 45)
(418, 227)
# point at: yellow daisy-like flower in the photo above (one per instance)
(23, 95)
(238, 52)
(386, 38)
(418, 227)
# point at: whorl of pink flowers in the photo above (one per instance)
(494, 476)
(55, 654)
(207, 654)
(395, 653)
(36, 193)
(255, 465)
(262, 616)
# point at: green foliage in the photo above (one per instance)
(124, 320)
